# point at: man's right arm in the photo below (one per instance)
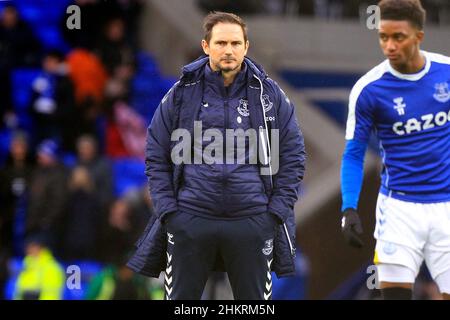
(158, 164)
(352, 171)
(358, 130)
(359, 127)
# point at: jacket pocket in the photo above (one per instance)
(144, 234)
(150, 257)
(284, 250)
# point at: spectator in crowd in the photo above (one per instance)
(48, 194)
(15, 179)
(18, 48)
(112, 49)
(132, 129)
(89, 78)
(88, 75)
(118, 283)
(130, 10)
(99, 169)
(53, 102)
(81, 218)
(42, 277)
(96, 13)
(141, 204)
(121, 230)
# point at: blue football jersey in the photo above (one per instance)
(410, 114)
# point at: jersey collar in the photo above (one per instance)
(412, 76)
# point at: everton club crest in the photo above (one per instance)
(442, 93)
(268, 247)
(243, 108)
(267, 104)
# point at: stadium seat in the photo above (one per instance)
(21, 82)
(5, 140)
(148, 86)
(51, 38)
(69, 159)
(45, 18)
(15, 265)
(128, 173)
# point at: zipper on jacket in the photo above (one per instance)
(267, 155)
(266, 131)
(224, 166)
(263, 144)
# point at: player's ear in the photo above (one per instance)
(205, 47)
(420, 35)
(247, 44)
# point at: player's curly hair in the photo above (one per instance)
(409, 10)
(216, 17)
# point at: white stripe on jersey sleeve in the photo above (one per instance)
(371, 76)
(436, 57)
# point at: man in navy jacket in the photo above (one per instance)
(224, 159)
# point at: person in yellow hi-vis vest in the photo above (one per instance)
(42, 277)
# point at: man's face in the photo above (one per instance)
(226, 48)
(399, 41)
(86, 151)
(50, 64)
(19, 150)
(115, 30)
(33, 249)
(45, 160)
(9, 18)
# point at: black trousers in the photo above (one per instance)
(195, 243)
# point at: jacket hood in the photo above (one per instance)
(194, 70)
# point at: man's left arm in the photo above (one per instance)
(292, 157)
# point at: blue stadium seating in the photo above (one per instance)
(51, 38)
(21, 82)
(69, 159)
(45, 18)
(15, 265)
(310, 79)
(337, 110)
(128, 173)
(148, 86)
(5, 140)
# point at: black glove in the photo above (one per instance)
(352, 228)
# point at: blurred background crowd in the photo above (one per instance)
(74, 109)
(323, 9)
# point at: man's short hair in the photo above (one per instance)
(399, 10)
(56, 54)
(216, 17)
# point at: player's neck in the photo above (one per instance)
(414, 65)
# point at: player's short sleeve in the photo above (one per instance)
(360, 115)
